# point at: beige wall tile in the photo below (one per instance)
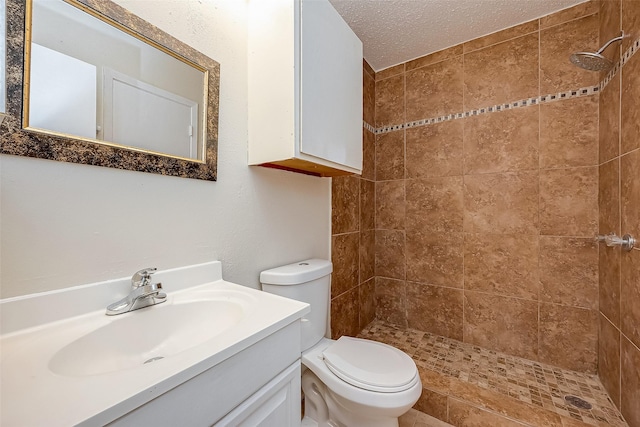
(345, 204)
(504, 72)
(630, 22)
(500, 36)
(390, 205)
(630, 107)
(432, 58)
(578, 11)
(610, 23)
(434, 90)
(367, 255)
(390, 101)
(345, 249)
(630, 295)
(630, 192)
(630, 261)
(502, 142)
(435, 258)
(436, 381)
(569, 337)
(556, 46)
(630, 384)
(569, 271)
(435, 309)
(609, 283)
(569, 202)
(390, 254)
(501, 323)
(368, 155)
(389, 72)
(434, 204)
(502, 264)
(462, 414)
(391, 301)
(432, 403)
(345, 318)
(435, 150)
(609, 197)
(504, 203)
(367, 205)
(368, 99)
(496, 402)
(609, 121)
(390, 156)
(609, 359)
(569, 133)
(367, 300)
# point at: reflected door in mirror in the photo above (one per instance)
(92, 80)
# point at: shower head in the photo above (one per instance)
(591, 61)
(594, 61)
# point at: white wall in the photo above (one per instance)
(65, 224)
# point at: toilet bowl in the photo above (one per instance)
(349, 382)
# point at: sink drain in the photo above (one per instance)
(577, 402)
(153, 359)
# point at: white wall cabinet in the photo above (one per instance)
(305, 88)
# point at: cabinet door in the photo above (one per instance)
(331, 86)
(277, 404)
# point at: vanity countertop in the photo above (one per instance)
(36, 392)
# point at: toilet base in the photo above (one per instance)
(323, 408)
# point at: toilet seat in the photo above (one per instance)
(370, 365)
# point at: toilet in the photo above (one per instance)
(349, 382)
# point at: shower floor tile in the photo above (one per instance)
(530, 382)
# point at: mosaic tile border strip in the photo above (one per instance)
(368, 127)
(531, 382)
(552, 97)
(635, 47)
(587, 91)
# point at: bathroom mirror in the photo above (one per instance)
(89, 82)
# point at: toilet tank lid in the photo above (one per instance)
(297, 273)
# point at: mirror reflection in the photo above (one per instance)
(90, 80)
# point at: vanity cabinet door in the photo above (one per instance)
(277, 404)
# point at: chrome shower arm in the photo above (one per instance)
(607, 44)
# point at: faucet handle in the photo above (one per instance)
(142, 277)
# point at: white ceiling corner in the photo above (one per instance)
(396, 31)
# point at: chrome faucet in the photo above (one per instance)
(143, 294)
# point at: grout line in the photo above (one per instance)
(464, 239)
(540, 284)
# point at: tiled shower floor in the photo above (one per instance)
(533, 383)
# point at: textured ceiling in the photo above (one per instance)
(395, 31)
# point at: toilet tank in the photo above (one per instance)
(307, 281)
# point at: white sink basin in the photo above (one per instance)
(59, 348)
(148, 335)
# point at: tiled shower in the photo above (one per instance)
(490, 168)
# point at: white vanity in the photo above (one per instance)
(215, 353)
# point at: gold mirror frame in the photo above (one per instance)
(16, 140)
